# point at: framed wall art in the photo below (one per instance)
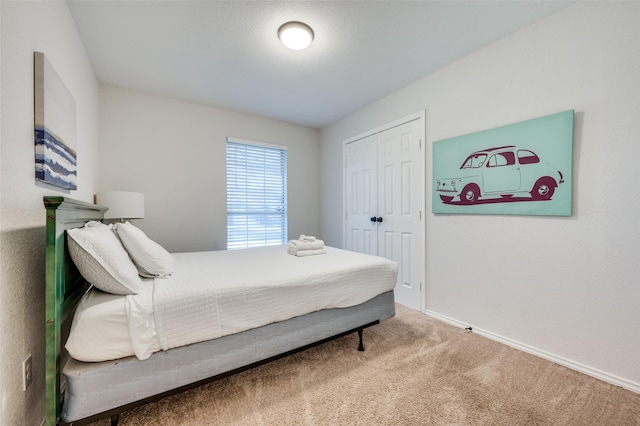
(54, 127)
(523, 168)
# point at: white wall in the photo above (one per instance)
(565, 288)
(27, 27)
(175, 153)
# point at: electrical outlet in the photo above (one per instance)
(27, 373)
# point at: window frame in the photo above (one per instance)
(266, 222)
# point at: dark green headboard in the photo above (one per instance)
(64, 287)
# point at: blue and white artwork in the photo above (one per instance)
(54, 127)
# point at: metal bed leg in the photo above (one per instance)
(114, 419)
(360, 345)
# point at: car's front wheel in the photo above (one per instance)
(470, 194)
(446, 199)
(543, 189)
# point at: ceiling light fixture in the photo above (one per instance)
(295, 35)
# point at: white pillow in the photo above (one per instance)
(102, 260)
(150, 257)
(94, 339)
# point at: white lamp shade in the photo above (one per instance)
(296, 35)
(122, 205)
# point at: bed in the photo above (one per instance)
(79, 392)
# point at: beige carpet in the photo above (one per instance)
(415, 371)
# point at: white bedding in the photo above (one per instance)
(213, 294)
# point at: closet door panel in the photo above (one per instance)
(400, 159)
(361, 195)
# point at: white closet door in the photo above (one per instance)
(361, 195)
(399, 205)
(384, 181)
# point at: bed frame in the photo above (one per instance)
(64, 288)
(80, 393)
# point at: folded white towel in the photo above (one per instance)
(307, 237)
(306, 245)
(302, 253)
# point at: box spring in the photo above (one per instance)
(96, 390)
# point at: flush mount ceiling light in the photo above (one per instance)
(295, 35)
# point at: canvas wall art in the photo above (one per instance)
(523, 168)
(55, 127)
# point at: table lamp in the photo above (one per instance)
(122, 205)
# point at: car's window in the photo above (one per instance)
(507, 158)
(527, 157)
(474, 161)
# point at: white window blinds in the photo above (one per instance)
(256, 195)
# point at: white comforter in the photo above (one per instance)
(213, 294)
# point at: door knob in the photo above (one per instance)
(373, 219)
(378, 219)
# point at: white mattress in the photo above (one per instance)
(213, 294)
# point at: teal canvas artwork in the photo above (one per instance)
(523, 168)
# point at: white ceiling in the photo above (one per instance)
(226, 54)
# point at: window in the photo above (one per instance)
(256, 194)
(506, 158)
(474, 161)
(527, 157)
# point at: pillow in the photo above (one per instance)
(150, 257)
(94, 339)
(102, 260)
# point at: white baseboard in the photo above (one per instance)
(593, 372)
